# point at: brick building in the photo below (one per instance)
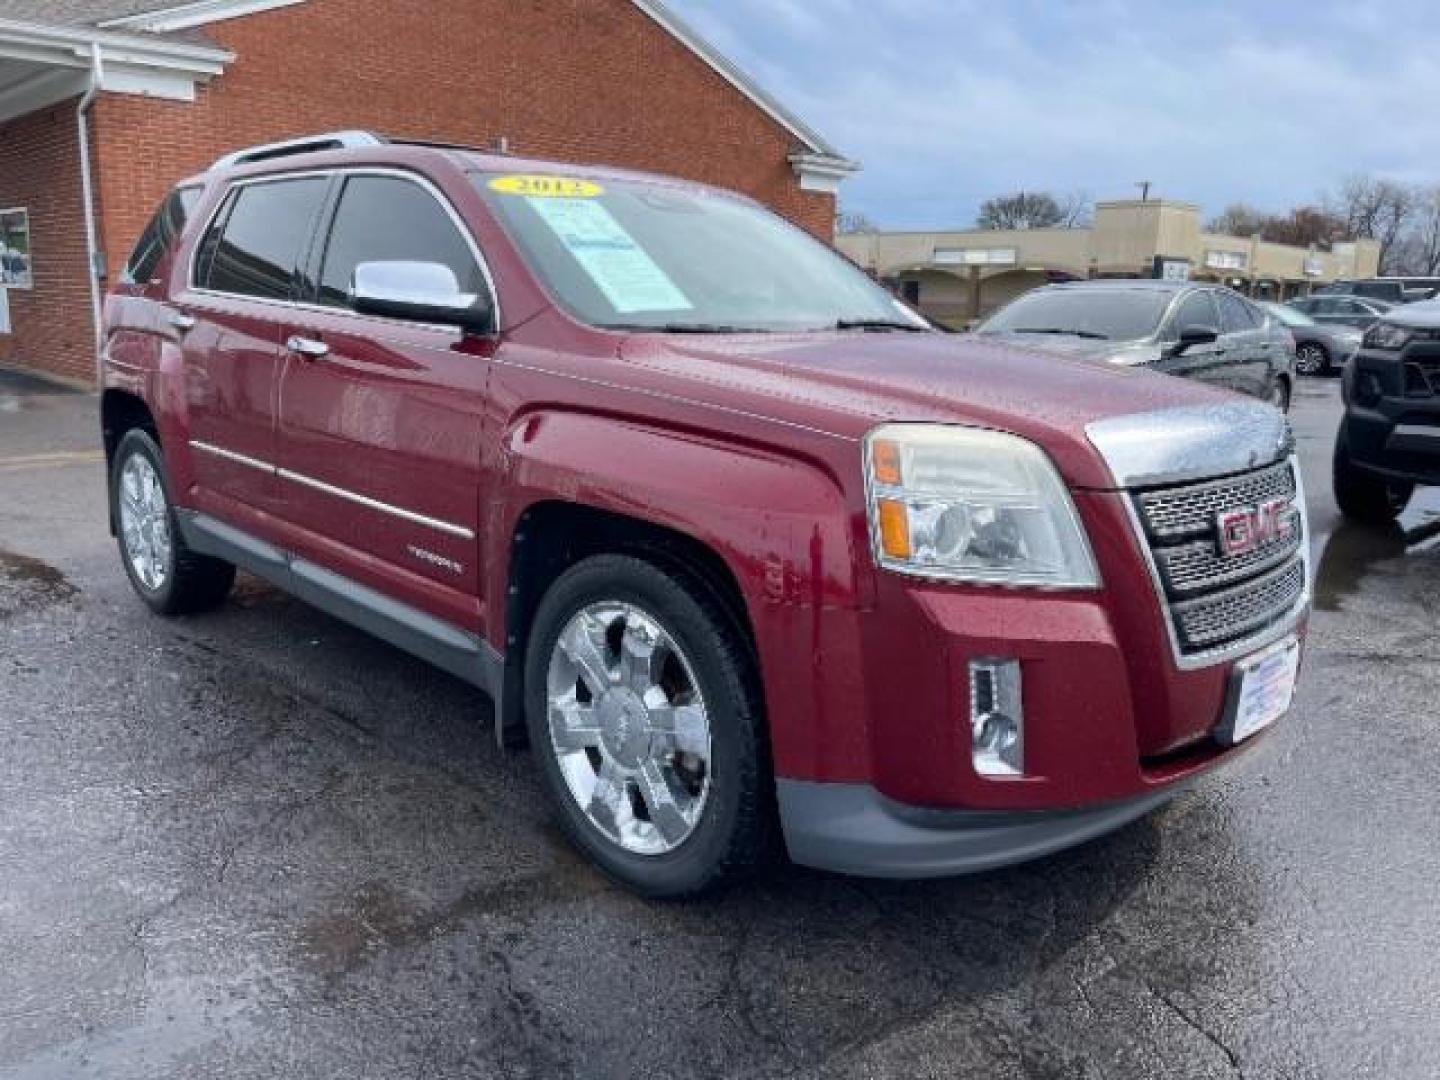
(158, 89)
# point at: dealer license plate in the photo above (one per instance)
(1264, 688)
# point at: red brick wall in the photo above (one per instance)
(586, 80)
(594, 81)
(40, 171)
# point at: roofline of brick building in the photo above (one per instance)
(820, 165)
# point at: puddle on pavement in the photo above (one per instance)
(28, 584)
(1354, 550)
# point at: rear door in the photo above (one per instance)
(381, 419)
(242, 278)
(1203, 362)
(1247, 346)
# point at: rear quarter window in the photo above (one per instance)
(165, 228)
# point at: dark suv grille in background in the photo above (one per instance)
(1214, 600)
(1422, 378)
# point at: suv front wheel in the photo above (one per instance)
(645, 720)
(1365, 496)
(170, 578)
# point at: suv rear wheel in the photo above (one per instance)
(169, 577)
(645, 720)
(1365, 496)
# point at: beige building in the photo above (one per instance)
(958, 276)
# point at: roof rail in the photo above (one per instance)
(309, 144)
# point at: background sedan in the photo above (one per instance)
(1318, 348)
(1197, 331)
(1341, 310)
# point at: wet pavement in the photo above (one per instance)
(259, 844)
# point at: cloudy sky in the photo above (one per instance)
(949, 101)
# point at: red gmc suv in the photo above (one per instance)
(745, 550)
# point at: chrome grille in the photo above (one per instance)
(1237, 613)
(1213, 600)
(1191, 511)
(1199, 567)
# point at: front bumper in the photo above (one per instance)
(1392, 422)
(853, 829)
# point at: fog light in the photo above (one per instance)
(997, 718)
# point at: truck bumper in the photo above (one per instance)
(853, 829)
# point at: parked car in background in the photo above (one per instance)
(1341, 310)
(597, 442)
(1202, 332)
(1392, 290)
(1389, 439)
(1319, 349)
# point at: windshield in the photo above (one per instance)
(631, 255)
(1288, 315)
(1109, 314)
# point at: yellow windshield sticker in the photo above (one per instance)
(546, 187)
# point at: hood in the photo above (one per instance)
(1062, 344)
(846, 383)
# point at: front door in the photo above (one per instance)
(380, 429)
(1207, 363)
(229, 315)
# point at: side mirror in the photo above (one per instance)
(1192, 336)
(419, 292)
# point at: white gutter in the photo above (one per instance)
(87, 187)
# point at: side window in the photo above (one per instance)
(1197, 309)
(387, 219)
(264, 233)
(1234, 315)
(1325, 306)
(162, 232)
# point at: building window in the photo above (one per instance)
(15, 272)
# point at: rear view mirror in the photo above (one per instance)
(419, 292)
(1194, 335)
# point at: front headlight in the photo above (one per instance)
(965, 504)
(1384, 335)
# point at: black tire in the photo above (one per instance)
(193, 583)
(1365, 496)
(735, 834)
(1312, 358)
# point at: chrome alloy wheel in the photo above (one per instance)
(1310, 359)
(145, 522)
(629, 728)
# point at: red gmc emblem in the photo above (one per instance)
(1254, 527)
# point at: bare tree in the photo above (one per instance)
(1076, 210)
(1418, 249)
(853, 222)
(1302, 227)
(1022, 210)
(1374, 209)
(1238, 219)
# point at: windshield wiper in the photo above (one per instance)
(1090, 334)
(880, 325)
(684, 328)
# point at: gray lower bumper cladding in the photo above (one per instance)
(853, 829)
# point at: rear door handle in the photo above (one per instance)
(182, 322)
(307, 348)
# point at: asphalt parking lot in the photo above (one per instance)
(259, 844)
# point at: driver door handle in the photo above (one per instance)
(182, 322)
(307, 348)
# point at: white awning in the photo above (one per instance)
(43, 64)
